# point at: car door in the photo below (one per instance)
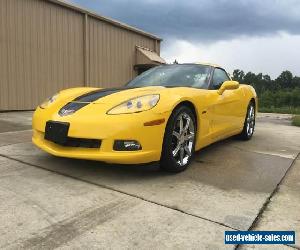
(224, 109)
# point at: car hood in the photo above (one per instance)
(105, 98)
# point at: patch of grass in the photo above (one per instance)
(296, 120)
(281, 110)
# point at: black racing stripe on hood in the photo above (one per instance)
(97, 94)
(83, 100)
(71, 108)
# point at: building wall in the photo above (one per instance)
(112, 53)
(46, 47)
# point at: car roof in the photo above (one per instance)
(200, 63)
(209, 64)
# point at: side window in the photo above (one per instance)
(219, 77)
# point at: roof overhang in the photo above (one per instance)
(147, 56)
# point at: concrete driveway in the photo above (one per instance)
(49, 202)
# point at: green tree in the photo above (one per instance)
(296, 82)
(250, 78)
(238, 75)
(284, 80)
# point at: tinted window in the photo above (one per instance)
(180, 75)
(219, 77)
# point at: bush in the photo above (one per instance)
(296, 120)
(280, 110)
(288, 100)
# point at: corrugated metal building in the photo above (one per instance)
(49, 45)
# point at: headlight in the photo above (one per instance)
(48, 101)
(134, 105)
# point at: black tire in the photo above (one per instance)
(247, 131)
(173, 139)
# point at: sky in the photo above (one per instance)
(252, 35)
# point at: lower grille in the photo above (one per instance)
(81, 143)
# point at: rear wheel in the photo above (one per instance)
(179, 140)
(249, 123)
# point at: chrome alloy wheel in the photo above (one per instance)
(250, 121)
(183, 139)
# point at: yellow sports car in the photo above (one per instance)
(164, 114)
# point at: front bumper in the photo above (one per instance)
(107, 128)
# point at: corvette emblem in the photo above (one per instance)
(64, 112)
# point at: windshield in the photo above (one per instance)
(175, 75)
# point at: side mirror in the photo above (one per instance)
(227, 85)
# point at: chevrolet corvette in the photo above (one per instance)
(165, 114)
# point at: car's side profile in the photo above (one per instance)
(165, 114)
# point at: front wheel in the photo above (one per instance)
(179, 140)
(249, 123)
